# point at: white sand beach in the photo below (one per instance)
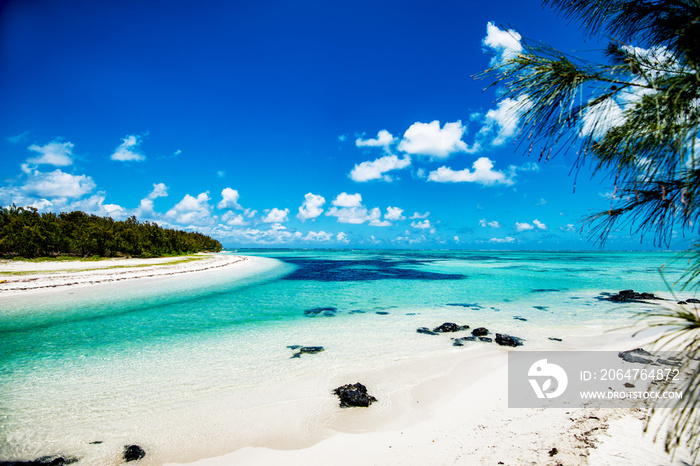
(23, 277)
(460, 415)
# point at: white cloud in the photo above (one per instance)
(501, 123)
(568, 227)
(276, 215)
(384, 139)
(539, 224)
(159, 190)
(229, 199)
(311, 208)
(128, 150)
(456, 239)
(482, 173)
(394, 213)
(492, 224)
(234, 219)
(348, 200)
(220, 173)
(55, 153)
(418, 215)
(318, 237)
(375, 169)
(425, 224)
(57, 184)
(343, 137)
(113, 208)
(41, 204)
(192, 211)
(145, 209)
(357, 214)
(599, 119)
(523, 226)
(277, 234)
(429, 139)
(353, 215)
(507, 239)
(506, 43)
(250, 213)
(342, 238)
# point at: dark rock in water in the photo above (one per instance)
(357, 311)
(96, 442)
(43, 461)
(411, 313)
(637, 355)
(692, 301)
(541, 308)
(479, 332)
(544, 290)
(325, 311)
(554, 339)
(133, 453)
(354, 395)
(628, 296)
(682, 302)
(427, 331)
(507, 340)
(523, 319)
(382, 313)
(450, 327)
(485, 339)
(460, 341)
(305, 350)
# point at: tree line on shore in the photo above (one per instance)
(24, 232)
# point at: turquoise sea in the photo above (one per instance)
(180, 365)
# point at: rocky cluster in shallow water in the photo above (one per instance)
(130, 453)
(642, 356)
(627, 296)
(352, 395)
(478, 334)
(43, 461)
(305, 350)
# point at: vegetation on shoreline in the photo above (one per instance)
(25, 233)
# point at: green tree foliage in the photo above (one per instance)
(635, 119)
(26, 233)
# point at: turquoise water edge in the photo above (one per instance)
(123, 364)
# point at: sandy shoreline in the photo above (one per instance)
(464, 418)
(23, 277)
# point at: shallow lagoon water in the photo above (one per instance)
(174, 362)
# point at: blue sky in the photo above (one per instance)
(292, 124)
